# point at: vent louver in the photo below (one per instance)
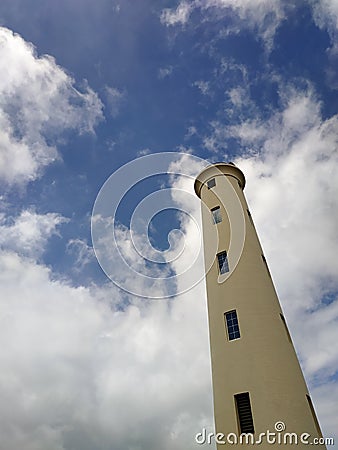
(244, 413)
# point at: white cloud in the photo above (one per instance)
(180, 15)
(203, 86)
(29, 232)
(115, 98)
(330, 70)
(80, 372)
(83, 252)
(191, 131)
(20, 160)
(325, 399)
(117, 8)
(38, 101)
(164, 72)
(95, 368)
(143, 152)
(325, 13)
(239, 70)
(263, 16)
(238, 96)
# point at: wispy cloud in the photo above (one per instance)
(261, 16)
(164, 72)
(84, 254)
(180, 15)
(115, 99)
(203, 86)
(325, 13)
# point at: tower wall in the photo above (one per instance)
(262, 361)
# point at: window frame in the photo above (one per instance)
(216, 217)
(211, 183)
(232, 325)
(240, 418)
(223, 266)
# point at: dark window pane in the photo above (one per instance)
(231, 321)
(223, 262)
(216, 214)
(211, 183)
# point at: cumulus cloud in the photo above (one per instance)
(96, 368)
(38, 101)
(84, 373)
(28, 233)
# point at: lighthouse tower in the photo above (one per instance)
(258, 385)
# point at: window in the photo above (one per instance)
(216, 214)
(223, 262)
(244, 414)
(211, 183)
(231, 321)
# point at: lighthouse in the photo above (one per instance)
(258, 384)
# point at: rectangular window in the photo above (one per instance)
(231, 321)
(223, 264)
(211, 183)
(216, 214)
(244, 414)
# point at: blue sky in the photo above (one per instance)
(87, 87)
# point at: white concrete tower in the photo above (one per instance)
(257, 379)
